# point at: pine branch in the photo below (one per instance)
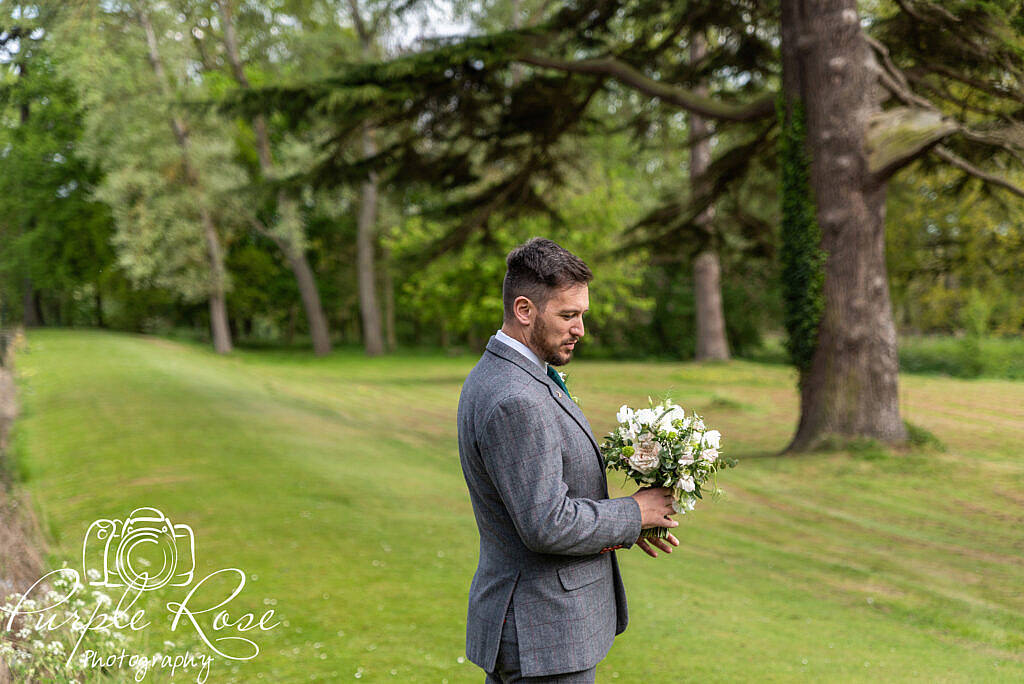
(673, 94)
(947, 155)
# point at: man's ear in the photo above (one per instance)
(523, 310)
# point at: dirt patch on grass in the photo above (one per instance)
(21, 559)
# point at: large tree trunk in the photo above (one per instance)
(851, 386)
(369, 307)
(218, 308)
(712, 343)
(294, 254)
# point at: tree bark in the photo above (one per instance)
(218, 304)
(32, 314)
(100, 322)
(369, 307)
(851, 386)
(390, 335)
(712, 343)
(295, 255)
(310, 295)
(217, 297)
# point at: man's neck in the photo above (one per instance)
(519, 335)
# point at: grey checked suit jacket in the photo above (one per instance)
(537, 483)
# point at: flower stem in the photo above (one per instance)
(654, 533)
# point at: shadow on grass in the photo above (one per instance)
(920, 442)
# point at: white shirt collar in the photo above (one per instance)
(521, 348)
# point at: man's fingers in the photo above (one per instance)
(647, 549)
(672, 539)
(663, 545)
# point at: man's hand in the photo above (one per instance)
(662, 544)
(655, 509)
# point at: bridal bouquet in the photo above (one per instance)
(661, 446)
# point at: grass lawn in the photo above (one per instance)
(335, 484)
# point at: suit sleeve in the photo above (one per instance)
(522, 455)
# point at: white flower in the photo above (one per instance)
(685, 482)
(698, 424)
(627, 433)
(687, 457)
(93, 574)
(645, 457)
(625, 414)
(683, 504)
(695, 437)
(674, 413)
(709, 454)
(713, 439)
(646, 416)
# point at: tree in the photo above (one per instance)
(865, 121)
(712, 342)
(175, 205)
(54, 238)
(288, 236)
(193, 180)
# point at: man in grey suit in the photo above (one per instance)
(547, 598)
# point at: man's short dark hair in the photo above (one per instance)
(538, 267)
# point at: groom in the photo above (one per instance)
(547, 598)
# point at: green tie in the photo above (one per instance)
(553, 374)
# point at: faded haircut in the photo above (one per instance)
(538, 267)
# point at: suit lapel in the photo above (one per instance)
(559, 397)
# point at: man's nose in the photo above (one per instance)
(577, 328)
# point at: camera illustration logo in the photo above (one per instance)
(144, 551)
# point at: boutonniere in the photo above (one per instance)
(565, 381)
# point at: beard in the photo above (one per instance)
(549, 351)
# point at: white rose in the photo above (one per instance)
(645, 458)
(709, 454)
(713, 439)
(625, 414)
(685, 483)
